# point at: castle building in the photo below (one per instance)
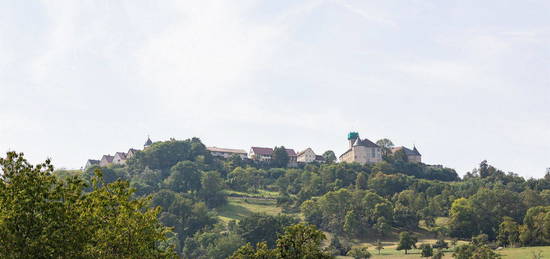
(362, 151)
(119, 158)
(106, 160)
(412, 154)
(264, 154)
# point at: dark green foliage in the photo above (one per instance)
(280, 157)
(359, 253)
(258, 228)
(329, 157)
(469, 251)
(426, 250)
(42, 216)
(406, 241)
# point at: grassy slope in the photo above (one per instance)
(238, 207)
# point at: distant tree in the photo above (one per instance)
(359, 253)
(386, 146)
(406, 241)
(211, 190)
(352, 223)
(361, 181)
(263, 228)
(379, 246)
(280, 157)
(441, 244)
(184, 176)
(329, 156)
(426, 250)
(468, 251)
(438, 254)
(337, 247)
(508, 232)
(480, 240)
(301, 241)
(400, 156)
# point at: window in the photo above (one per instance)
(373, 152)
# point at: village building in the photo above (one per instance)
(227, 152)
(119, 158)
(361, 151)
(90, 163)
(306, 156)
(413, 155)
(106, 160)
(131, 152)
(264, 154)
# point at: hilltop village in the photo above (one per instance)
(362, 151)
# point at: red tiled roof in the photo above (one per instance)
(266, 151)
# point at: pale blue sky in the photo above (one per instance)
(463, 80)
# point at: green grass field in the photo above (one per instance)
(237, 208)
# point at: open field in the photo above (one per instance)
(237, 208)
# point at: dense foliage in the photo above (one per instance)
(189, 186)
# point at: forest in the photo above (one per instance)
(172, 200)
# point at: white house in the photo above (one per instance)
(227, 152)
(307, 156)
(119, 158)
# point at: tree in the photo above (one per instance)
(263, 228)
(441, 244)
(329, 157)
(361, 181)
(211, 190)
(386, 145)
(469, 251)
(184, 176)
(406, 241)
(426, 250)
(359, 253)
(508, 232)
(42, 216)
(301, 241)
(337, 247)
(280, 157)
(352, 223)
(463, 222)
(379, 246)
(438, 254)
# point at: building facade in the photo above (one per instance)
(119, 158)
(106, 160)
(306, 156)
(264, 154)
(362, 151)
(413, 155)
(227, 152)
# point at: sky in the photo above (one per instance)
(463, 80)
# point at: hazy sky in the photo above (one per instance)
(463, 80)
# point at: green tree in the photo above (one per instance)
(426, 250)
(352, 223)
(211, 190)
(361, 181)
(462, 219)
(386, 145)
(184, 176)
(301, 241)
(359, 253)
(280, 157)
(508, 232)
(263, 228)
(406, 241)
(42, 216)
(329, 157)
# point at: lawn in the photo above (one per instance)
(524, 252)
(237, 208)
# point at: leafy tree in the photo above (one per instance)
(468, 251)
(352, 223)
(426, 250)
(280, 157)
(359, 253)
(42, 216)
(361, 181)
(386, 145)
(438, 254)
(263, 228)
(508, 232)
(212, 187)
(329, 157)
(301, 241)
(337, 247)
(406, 241)
(463, 222)
(480, 240)
(184, 176)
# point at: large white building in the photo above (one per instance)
(361, 151)
(227, 152)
